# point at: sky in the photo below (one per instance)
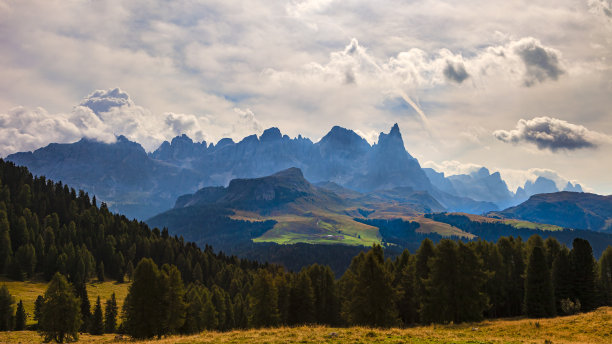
(521, 87)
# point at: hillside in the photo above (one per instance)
(285, 208)
(576, 210)
(585, 328)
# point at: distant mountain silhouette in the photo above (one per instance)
(566, 209)
(141, 185)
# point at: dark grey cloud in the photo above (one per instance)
(455, 72)
(104, 100)
(541, 63)
(552, 133)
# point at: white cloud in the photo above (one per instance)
(452, 167)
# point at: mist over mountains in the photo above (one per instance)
(141, 184)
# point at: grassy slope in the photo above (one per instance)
(591, 327)
(29, 290)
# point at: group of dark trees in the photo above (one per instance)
(49, 230)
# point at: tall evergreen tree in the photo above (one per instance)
(583, 265)
(605, 275)
(6, 309)
(96, 326)
(421, 272)
(20, 317)
(142, 315)
(406, 285)
(110, 315)
(372, 297)
(539, 295)
(562, 278)
(200, 312)
(301, 300)
(60, 316)
(100, 272)
(173, 302)
(38, 307)
(263, 301)
(6, 251)
(80, 290)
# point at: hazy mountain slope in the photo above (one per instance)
(120, 173)
(567, 209)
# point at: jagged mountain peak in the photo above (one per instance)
(270, 135)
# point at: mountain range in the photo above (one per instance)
(141, 184)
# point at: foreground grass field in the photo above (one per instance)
(594, 327)
(28, 291)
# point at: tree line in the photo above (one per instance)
(48, 230)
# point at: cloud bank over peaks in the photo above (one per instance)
(553, 134)
(514, 178)
(105, 114)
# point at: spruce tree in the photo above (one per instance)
(96, 326)
(539, 295)
(421, 272)
(301, 300)
(562, 278)
(38, 307)
(372, 298)
(80, 290)
(6, 309)
(605, 275)
(197, 275)
(470, 299)
(143, 316)
(20, 317)
(583, 266)
(173, 302)
(60, 315)
(263, 301)
(6, 251)
(100, 272)
(110, 315)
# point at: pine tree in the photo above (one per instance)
(110, 315)
(38, 307)
(263, 301)
(173, 299)
(406, 284)
(100, 272)
(301, 300)
(583, 266)
(562, 278)
(142, 315)
(60, 316)
(96, 326)
(6, 252)
(605, 275)
(471, 301)
(80, 290)
(197, 275)
(20, 317)
(421, 272)
(129, 270)
(372, 298)
(539, 294)
(6, 309)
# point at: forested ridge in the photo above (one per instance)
(51, 231)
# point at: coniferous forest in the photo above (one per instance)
(51, 231)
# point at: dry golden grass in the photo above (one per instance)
(593, 327)
(28, 291)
